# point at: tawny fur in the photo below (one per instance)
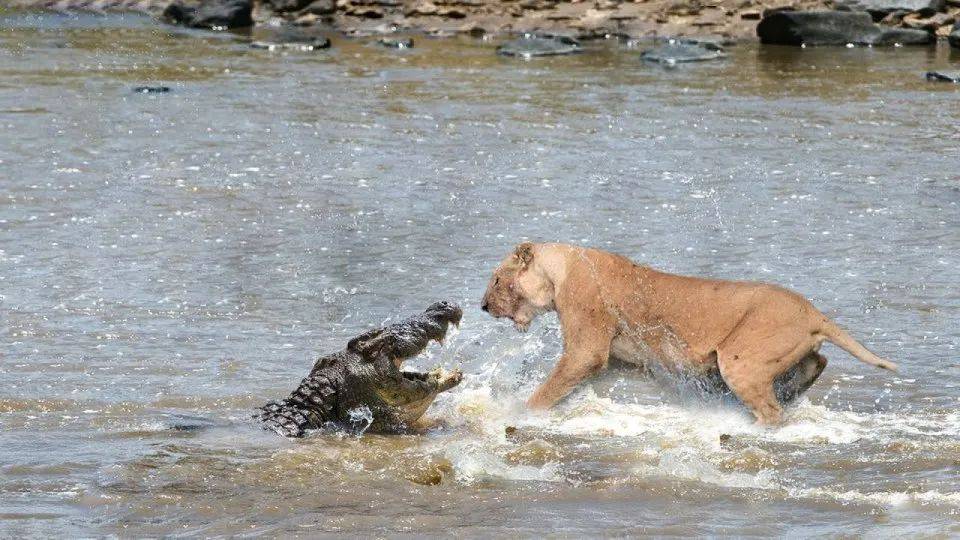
(609, 306)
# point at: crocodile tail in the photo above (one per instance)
(283, 418)
(308, 407)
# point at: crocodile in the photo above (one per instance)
(362, 386)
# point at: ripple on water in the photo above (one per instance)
(189, 253)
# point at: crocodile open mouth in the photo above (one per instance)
(412, 336)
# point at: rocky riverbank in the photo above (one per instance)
(734, 19)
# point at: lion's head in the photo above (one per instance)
(518, 289)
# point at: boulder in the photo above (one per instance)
(320, 7)
(530, 45)
(212, 14)
(833, 28)
(954, 37)
(677, 51)
(879, 9)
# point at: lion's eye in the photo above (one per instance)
(496, 282)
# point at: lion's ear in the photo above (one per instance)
(524, 254)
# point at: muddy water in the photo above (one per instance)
(177, 259)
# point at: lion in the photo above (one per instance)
(751, 334)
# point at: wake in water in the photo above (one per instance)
(623, 428)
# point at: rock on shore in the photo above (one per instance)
(578, 19)
(221, 14)
(834, 28)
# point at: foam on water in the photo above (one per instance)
(474, 461)
(882, 498)
(678, 441)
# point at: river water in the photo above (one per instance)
(178, 259)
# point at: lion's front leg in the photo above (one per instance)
(570, 371)
(587, 334)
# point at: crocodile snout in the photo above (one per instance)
(445, 312)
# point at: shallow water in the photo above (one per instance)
(178, 259)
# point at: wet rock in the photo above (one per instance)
(152, 89)
(422, 8)
(185, 422)
(684, 8)
(530, 45)
(944, 31)
(903, 36)
(710, 17)
(366, 12)
(930, 24)
(440, 33)
(284, 5)
(320, 7)
(954, 37)
(452, 13)
(879, 9)
(211, 14)
(296, 44)
(307, 19)
(943, 77)
(538, 4)
(151, 7)
(566, 12)
(677, 51)
(833, 28)
(473, 30)
(396, 43)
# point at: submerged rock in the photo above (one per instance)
(186, 422)
(295, 44)
(152, 89)
(210, 14)
(397, 43)
(943, 77)
(530, 45)
(834, 28)
(683, 50)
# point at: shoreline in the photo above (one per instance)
(730, 20)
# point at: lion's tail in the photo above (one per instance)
(839, 337)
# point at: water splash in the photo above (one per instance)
(360, 419)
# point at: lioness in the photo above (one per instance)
(753, 334)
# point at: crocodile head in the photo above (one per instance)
(367, 377)
(409, 337)
(386, 348)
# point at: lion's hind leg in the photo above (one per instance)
(800, 377)
(750, 368)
